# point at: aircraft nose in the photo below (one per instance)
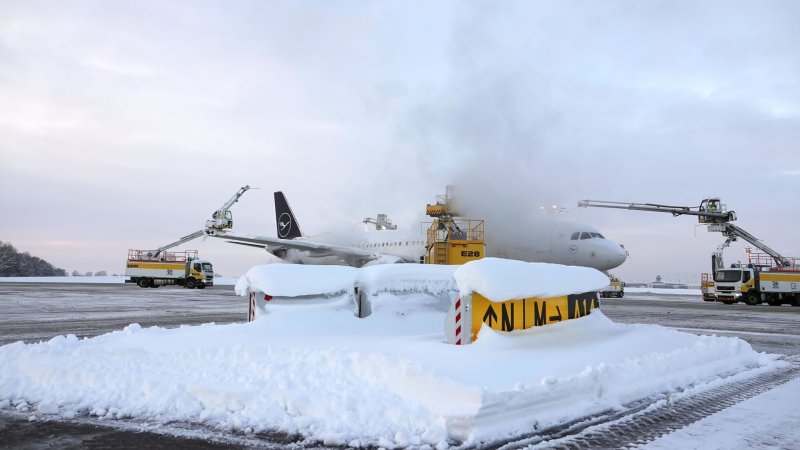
(619, 255)
(614, 255)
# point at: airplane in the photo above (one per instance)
(564, 243)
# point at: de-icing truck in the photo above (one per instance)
(615, 288)
(760, 280)
(181, 268)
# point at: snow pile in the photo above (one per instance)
(390, 380)
(506, 279)
(387, 381)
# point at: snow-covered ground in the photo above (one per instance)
(645, 290)
(310, 366)
(767, 421)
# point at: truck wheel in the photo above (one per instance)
(190, 283)
(201, 285)
(143, 282)
(752, 299)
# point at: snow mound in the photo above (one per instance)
(387, 381)
(505, 279)
(310, 366)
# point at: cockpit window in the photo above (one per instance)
(585, 235)
(575, 236)
(597, 235)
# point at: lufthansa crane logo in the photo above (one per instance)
(284, 225)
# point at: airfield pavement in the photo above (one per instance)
(33, 312)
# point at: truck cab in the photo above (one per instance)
(735, 284)
(202, 271)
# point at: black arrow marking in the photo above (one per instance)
(558, 317)
(490, 314)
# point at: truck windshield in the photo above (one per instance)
(728, 275)
(207, 267)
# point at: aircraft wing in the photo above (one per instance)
(353, 256)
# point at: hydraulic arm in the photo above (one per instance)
(710, 212)
(221, 221)
(180, 241)
(707, 212)
(732, 231)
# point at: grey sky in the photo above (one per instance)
(124, 124)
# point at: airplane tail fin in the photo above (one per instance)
(288, 228)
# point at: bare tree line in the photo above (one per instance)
(16, 264)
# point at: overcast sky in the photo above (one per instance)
(125, 124)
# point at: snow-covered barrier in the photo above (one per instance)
(508, 295)
(294, 284)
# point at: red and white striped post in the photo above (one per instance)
(257, 306)
(251, 315)
(458, 325)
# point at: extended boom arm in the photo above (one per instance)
(180, 241)
(704, 212)
(220, 223)
(710, 212)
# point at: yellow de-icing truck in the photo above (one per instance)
(180, 268)
(759, 281)
(451, 239)
(615, 288)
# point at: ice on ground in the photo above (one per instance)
(311, 367)
(108, 279)
(676, 291)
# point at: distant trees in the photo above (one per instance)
(16, 264)
(101, 273)
(75, 273)
(8, 256)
